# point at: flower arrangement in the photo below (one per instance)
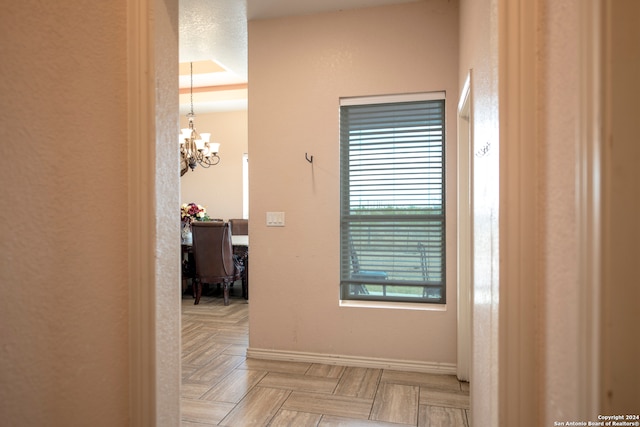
(190, 212)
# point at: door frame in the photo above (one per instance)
(151, 351)
(465, 231)
(519, 337)
(153, 185)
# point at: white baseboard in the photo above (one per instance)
(355, 361)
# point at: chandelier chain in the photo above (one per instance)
(191, 72)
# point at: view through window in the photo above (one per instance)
(392, 198)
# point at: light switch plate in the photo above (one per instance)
(275, 219)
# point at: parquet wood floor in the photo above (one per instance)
(221, 387)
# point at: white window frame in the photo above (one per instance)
(245, 186)
(377, 275)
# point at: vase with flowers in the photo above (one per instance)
(190, 212)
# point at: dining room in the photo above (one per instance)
(222, 188)
(214, 179)
(217, 193)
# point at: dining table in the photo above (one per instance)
(240, 240)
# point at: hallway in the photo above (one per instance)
(221, 387)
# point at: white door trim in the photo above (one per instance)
(465, 230)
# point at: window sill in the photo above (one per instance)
(393, 305)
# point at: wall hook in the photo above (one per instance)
(309, 159)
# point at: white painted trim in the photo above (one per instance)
(391, 305)
(465, 98)
(387, 99)
(355, 361)
(518, 347)
(141, 224)
(589, 212)
(465, 230)
(245, 186)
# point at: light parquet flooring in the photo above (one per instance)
(221, 387)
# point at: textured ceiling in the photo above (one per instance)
(217, 30)
(214, 29)
(263, 9)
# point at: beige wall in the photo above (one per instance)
(299, 69)
(621, 291)
(65, 314)
(479, 53)
(63, 225)
(219, 188)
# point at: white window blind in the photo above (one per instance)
(392, 199)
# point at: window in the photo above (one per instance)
(392, 210)
(245, 186)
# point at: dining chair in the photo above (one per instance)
(239, 227)
(214, 258)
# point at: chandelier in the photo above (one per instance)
(195, 148)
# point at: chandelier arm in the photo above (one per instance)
(212, 160)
